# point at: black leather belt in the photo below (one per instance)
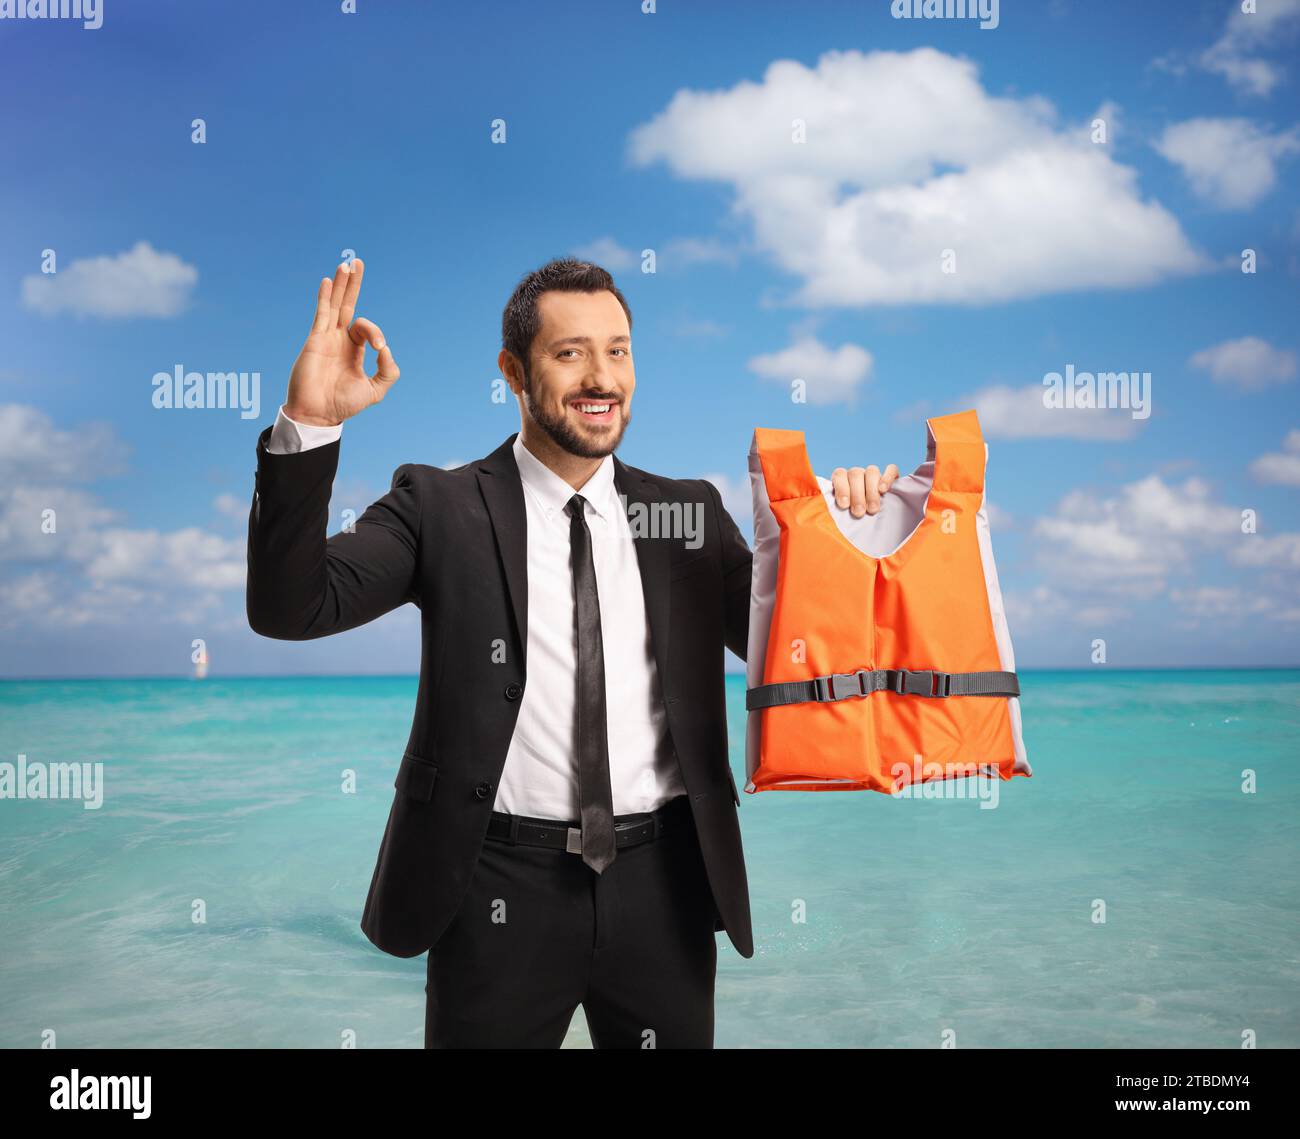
(629, 830)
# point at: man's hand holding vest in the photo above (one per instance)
(859, 489)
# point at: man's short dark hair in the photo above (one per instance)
(520, 320)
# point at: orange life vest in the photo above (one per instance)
(879, 653)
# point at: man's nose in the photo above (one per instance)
(601, 379)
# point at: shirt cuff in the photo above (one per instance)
(288, 436)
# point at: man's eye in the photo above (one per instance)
(623, 350)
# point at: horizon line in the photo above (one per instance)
(729, 672)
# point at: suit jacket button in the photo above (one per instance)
(514, 691)
(483, 790)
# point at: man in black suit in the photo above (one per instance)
(564, 830)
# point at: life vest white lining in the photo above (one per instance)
(997, 610)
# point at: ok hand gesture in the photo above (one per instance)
(328, 383)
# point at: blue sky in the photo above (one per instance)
(775, 259)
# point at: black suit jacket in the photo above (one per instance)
(454, 543)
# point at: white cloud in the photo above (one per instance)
(31, 593)
(676, 253)
(832, 375)
(32, 449)
(93, 570)
(77, 518)
(1276, 551)
(907, 155)
(910, 413)
(1018, 413)
(1103, 559)
(1108, 555)
(1042, 607)
(683, 251)
(697, 326)
(1231, 163)
(38, 463)
(999, 519)
(737, 497)
(140, 282)
(1248, 363)
(1128, 545)
(1282, 468)
(608, 254)
(1235, 54)
(231, 507)
(39, 601)
(188, 557)
(1220, 601)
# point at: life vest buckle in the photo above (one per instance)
(922, 683)
(839, 686)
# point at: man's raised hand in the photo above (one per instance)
(328, 383)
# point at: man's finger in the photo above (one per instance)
(857, 492)
(840, 486)
(338, 290)
(871, 489)
(362, 332)
(349, 305)
(887, 479)
(321, 321)
(386, 372)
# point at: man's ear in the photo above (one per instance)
(511, 370)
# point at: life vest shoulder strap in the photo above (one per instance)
(956, 446)
(954, 443)
(786, 469)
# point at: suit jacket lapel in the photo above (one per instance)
(503, 493)
(653, 556)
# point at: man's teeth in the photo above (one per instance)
(594, 408)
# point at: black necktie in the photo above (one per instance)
(595, 799)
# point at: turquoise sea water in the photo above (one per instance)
(922, 916)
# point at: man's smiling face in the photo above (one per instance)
(580, 376)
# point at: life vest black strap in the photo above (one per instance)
(841, 685)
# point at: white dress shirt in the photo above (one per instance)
(540, 778)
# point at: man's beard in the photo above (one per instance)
(563, 434)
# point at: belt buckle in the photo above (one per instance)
(924, 682)
(838, 686)
(573, 841)
(919, 683)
